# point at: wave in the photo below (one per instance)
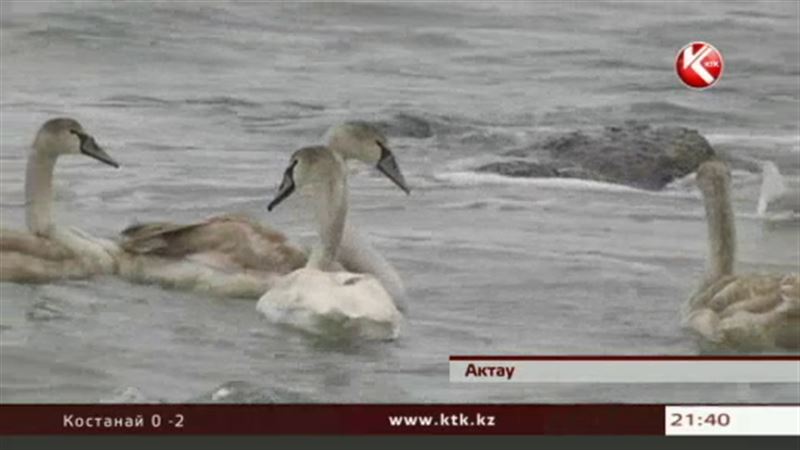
(239, 392)
(127, 395)
(222, 101)
(768, 143)
(684, 188)
(477, 179)
(498, 204)
(133, 100)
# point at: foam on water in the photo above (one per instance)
(476, 179)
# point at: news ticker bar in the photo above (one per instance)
(625, 369)
(425, 419)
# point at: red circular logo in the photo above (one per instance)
(699, 65)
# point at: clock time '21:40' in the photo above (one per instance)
(693, 420)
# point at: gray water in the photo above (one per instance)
(203, 103)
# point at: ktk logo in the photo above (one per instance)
(699, 65)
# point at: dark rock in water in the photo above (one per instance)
(520, 168)
(406, 125)
(634, 154)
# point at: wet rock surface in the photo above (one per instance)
(632, 154)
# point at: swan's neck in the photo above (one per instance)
(39, 192)
(356, 254)
(331, 213)
(721, 232)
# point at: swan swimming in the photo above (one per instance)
(233, 255)
(753, 311)
(50, 251)
(777, 201)
(316, 298)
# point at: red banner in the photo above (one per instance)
(332, 419)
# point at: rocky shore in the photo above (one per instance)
(633, 154)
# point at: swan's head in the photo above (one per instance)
(65, 136)
(363, 141)
(713, 178)
(315, 167)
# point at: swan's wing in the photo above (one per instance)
(175, 239)
(703, 296)
(154, 237)
(749, 311)
(752, 293)
(34, 246)
(221, 240)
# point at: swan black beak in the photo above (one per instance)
(89, 147)
(387, 165)
(286, 188)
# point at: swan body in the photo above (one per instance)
(49, 251)
(332, 303)
(318, 298)
(234, 255)
(742, 312)
(777, 201)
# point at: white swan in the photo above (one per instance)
(777, 201)
(49, 251)
(235, 256)
(315, 298)
(756, 311)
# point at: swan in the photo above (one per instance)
(753, 311)
(317, 298)
(233, 255)
(777, 201)
(50, 251)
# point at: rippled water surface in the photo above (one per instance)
(203, 103)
